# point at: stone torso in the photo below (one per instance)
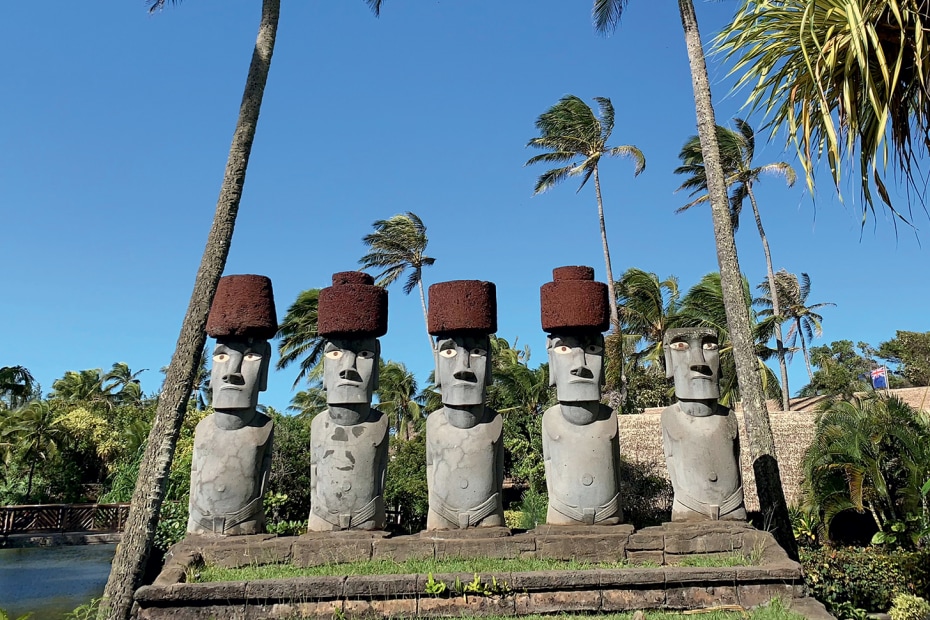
(347, 477)
(464, 472)
(702, 454)
(228, 475)
(582, 463)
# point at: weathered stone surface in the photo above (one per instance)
(391, 608)
(810, 608)
(783, 571)
(206, 612)
(485, 548)
(723, 575)
(647, 540)
(555, 602)
(555, 580)
(317, 551)
(247, 551)
(367, 586)
(403, 549)
(582, 548)
(623, 577)
(691, 542)
(466, 606)
(296, 588)
(468, 534)
(185, 592)
(753, 595)
(625, 600)
(698, 597)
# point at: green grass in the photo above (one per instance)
(390, 567)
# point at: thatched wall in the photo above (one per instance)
(641, 442)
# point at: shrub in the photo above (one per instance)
(909, 607)
(866, 578)
(533, 509)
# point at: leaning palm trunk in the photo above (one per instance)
(139, 533)
(425, 315)
(776, 311)
(611, 293)
(761, 442)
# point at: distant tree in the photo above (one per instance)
(397, 245)
(573, 135)
(35, 433)
(16, 385)
(840, 370)
(911, 351)
(647, 308)
(309, 402)
(405, 485)
(290, 465)
(397, 398)
(805, 321)
(122, 385)
(299, 340)
(737, 149)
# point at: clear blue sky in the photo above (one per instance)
(116, 126)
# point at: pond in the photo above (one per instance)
(51, 581)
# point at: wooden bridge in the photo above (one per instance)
(49, 518)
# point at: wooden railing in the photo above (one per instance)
(63, 518)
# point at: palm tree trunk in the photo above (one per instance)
(761, 443)
(425, 316)
(32, 471)
(807, 358)
(611, 293)
(776, 311)
(133, 551)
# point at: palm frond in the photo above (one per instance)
(606, 15)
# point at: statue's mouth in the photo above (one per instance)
(229, 386)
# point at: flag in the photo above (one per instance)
(880, 378)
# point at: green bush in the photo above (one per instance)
(909, 607)
(866, 578)
(533, 508)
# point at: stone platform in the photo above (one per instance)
(656, 583)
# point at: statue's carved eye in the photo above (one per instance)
(478, 352)
(678, 346)
(563, 349)
(449, 353)
(221, 357)
(593, 349)
(710, 346)
(334, 355)
(252, 357)
(365, 355)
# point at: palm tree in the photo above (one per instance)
(121, 385)
(397, 391)
(299, 338)
(805, 321)
(840, 78)
(572, 134)
(398, 244)
(35, 433)
(308, 403)
(16, 385)
(736, 151)
(607, 14)
(647, 308)
(79, 386)
(132, 554)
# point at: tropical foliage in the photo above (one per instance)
(843, 78)
(299, 341)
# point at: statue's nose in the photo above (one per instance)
(234, 378)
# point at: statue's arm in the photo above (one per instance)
(266, 462)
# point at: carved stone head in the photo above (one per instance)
(693, 359)
(462, 315)
(242, 319)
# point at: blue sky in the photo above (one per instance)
(117, 125)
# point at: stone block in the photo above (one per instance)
(646, 541)
(459, 606)
(206, 612)
(239, 551)
(784, 571)
(755, 594)
(685, 575)
(297, 589)
(469, 533)
(633, 598)
(555, 580)
(695, 542)
(383, 586)
(557, 602)
(645, 557)
(624, 577)
(700, 597)
(480, 547)
(581, 548)
(312, 551)
(403, 549)
(389, 608)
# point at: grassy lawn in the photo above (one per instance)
(481, 566)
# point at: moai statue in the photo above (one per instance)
(232, 446)
(701, 437)
(580, 436)
(464, 438)
(349, 441)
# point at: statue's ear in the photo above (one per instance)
(265, 351)
(667, 352)
(436, 374)
(376, 371)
